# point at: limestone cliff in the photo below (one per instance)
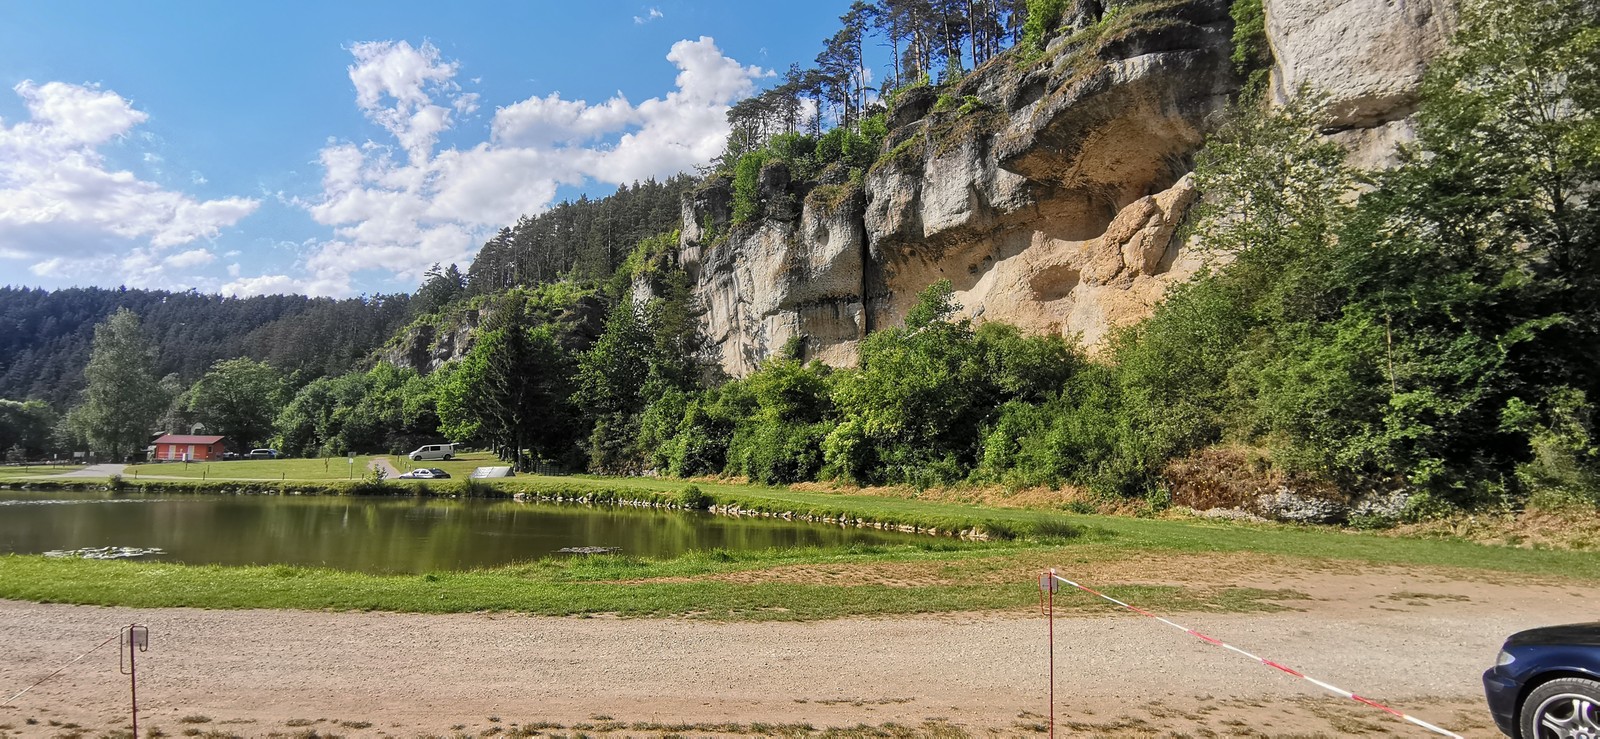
(1048, 191)
(1365, 57)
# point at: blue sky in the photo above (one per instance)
(340, 148)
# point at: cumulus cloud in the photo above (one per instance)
(189, 259)
(400, 207)
(551, 120)
(63, 205)
(399, 86)
(264, 285)
(139, 267)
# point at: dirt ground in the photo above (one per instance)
(1415, 638)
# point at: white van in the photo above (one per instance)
(433, 451)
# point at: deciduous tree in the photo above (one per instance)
(123, 397)
(239, 399)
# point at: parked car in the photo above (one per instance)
(263, 454)
(1546, 683)
(433, 451)
(425, 473)
(230, 455)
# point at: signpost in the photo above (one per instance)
(134, 639)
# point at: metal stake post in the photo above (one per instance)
(136, 639)
(1049, 584)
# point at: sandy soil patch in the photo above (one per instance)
(1418, 638)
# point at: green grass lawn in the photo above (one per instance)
(329, 468)
(12, 472)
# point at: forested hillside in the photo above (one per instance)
(579, 239)
(45, 335)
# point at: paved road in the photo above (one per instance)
(383, 463)
(96, 470)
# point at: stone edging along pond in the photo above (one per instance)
(966, 528)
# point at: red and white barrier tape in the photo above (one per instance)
(1288, 670)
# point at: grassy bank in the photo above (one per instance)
(694, 586)
(28, 471)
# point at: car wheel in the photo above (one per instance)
(446, 457)
(1564, 708)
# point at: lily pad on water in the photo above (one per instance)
(105, 552)
(589, 550)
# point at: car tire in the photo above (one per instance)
(447, 457)
(1563, 707)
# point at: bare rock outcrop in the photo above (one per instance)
(1366, 57)
(795, 273)
(426, 347)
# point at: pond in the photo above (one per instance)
(378, 535)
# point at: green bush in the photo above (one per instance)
(787, 414)
(1252, 55)
(695, 499)
(747, 186)
(469, 487)
(1044, 17)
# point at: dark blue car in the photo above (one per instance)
(1546, 683)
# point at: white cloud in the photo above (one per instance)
(396, 86)
(400, 208)
(139, 267)
(61, 204)
(188, 259)
(549, 120)
(263, 285)
(654, 14)
(77, 115)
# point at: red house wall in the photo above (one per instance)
(202, 452)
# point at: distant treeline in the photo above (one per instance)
(579, 239)
(45, 335)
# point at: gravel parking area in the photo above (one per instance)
(1416, 638)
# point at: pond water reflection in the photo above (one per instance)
(380, 535)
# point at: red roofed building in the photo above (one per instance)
(180, 447)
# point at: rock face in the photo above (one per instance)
(1047, 192)
(798, 272)
(426, 347)
(1367, 58)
